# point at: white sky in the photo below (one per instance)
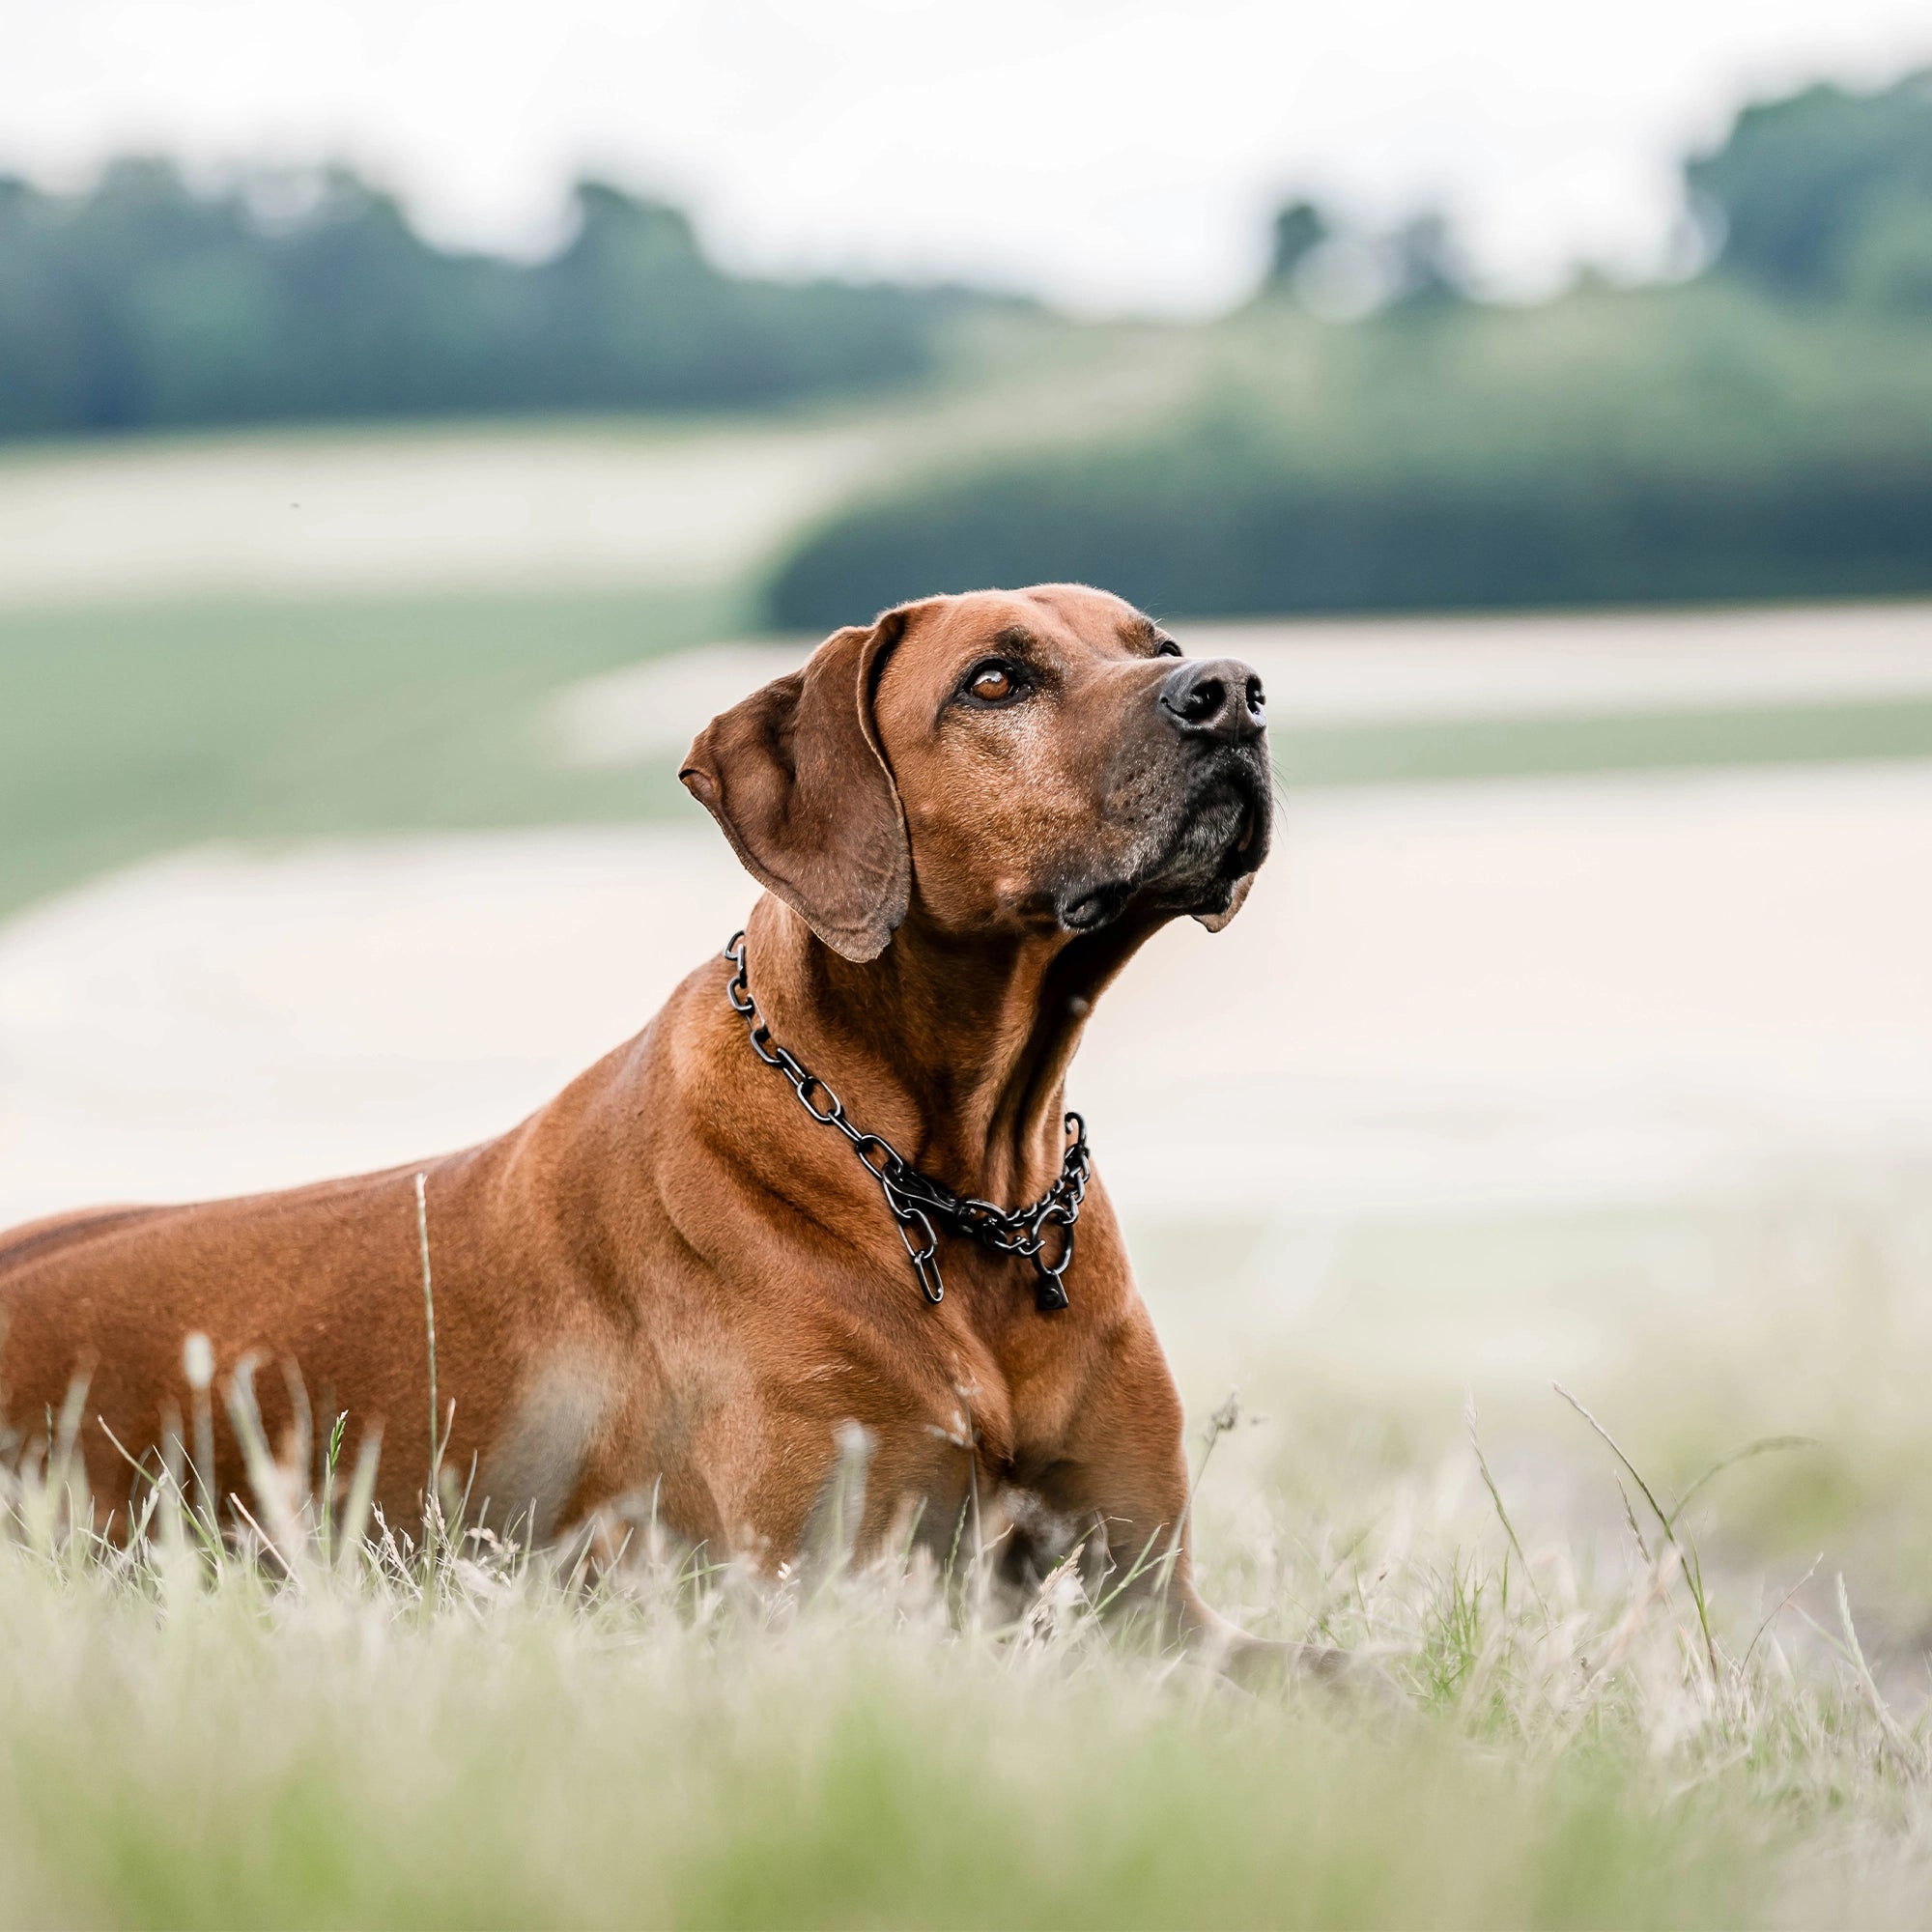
(1106, 153)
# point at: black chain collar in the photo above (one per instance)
(916, 1200)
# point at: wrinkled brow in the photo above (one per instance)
(1017, 637)
(1141, 631)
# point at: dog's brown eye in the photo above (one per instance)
(1167, 648)
(994, 683)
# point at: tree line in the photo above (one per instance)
(1764, 430)
(141, 303)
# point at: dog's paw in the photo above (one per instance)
(1263, 1663)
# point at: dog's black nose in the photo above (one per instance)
(1220, 699)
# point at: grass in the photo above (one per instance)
(323, 1722)
(126, 732)
(1650, 741)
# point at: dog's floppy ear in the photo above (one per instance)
(795, 777)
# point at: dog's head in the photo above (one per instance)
(1043, 760)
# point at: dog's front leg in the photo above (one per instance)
(1250, 1661)
(1125, 1470)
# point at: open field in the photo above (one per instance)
(321, 514)
(181, 1748)
(568, 504)
(1581, 1030)
(129, 732)
(431, 1733)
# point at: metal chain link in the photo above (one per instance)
(916, 1200)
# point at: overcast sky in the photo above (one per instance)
(1106, 153)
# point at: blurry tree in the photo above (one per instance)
(1888, 262)
(1299, 229)
(1828, 194)
(1425, 266)
(1417, 267)
(142, 303)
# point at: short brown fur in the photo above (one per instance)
(668, 1280)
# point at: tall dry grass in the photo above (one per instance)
(279, 1708)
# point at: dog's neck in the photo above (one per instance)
(956, 1050)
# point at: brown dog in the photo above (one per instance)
(669, 1282)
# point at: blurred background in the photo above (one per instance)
(418, 419)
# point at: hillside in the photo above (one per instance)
(1660, 446)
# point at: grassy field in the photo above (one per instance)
(1602, 1673)
(130, 731)
(1548, 1723)
(1536, 1730)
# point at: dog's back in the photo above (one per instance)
(108, 1297)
